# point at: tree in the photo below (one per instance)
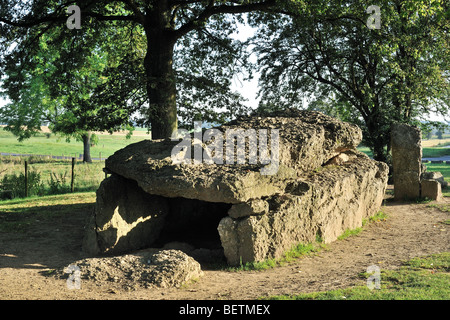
(69, 93)
(325, 50)
(165, 23)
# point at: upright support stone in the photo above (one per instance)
(406, 143)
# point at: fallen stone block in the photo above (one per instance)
(431, 189)
(151, 268)
(431, 175)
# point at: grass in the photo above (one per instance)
(427, 152)
(301, 250)
(379, 216)
(294, 253)
(54, 145)
(18, 214)
(443, 208)
(435, 152)
(55, 176)
(445, 170)
(424, 278)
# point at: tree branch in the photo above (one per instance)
(221, 9)
(138, 13)
(30, 21)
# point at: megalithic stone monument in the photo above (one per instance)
(406, 143)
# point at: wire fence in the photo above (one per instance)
(32, 176)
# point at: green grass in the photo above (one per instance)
(296, 252)
(44, 204)
(427, 152)
(445, 170)
(301, 250)
(425, 278)
(379, 216)
(18, 214)
(435, 152)
(55, 176)
(441, 207)
(40, 144)
(366, 150)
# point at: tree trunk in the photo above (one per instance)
(378, 138)
(379, 153)
(161, 86)
(87, 147)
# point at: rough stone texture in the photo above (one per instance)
(323, 186)
(126, 218)
(249, 208)
(435, 176)
(307, 141)
(149, 268)
(431, 189)
(406, 143)
(202, 255)
(324, 205)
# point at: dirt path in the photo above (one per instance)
(411, 230)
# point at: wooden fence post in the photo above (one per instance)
(26, 178)
(73, 175)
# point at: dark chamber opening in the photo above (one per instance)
(194, 222)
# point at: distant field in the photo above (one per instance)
(54, 145)
(430, 148)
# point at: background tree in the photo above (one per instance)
(324, 51)
(56, 87)
(165, 23)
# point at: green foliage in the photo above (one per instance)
(59, 183)
(129, 57)
(64, 81)
(48, 178)
(13, 185)
(324, 52)
(204, 83)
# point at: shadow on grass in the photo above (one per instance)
(41, 236)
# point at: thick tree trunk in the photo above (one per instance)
(161, 86)
(87, 147)
(379, 152)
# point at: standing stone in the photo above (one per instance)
(406, 160)
(125, 218)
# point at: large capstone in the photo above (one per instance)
(320, 187)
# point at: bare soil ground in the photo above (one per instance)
(28, 258)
